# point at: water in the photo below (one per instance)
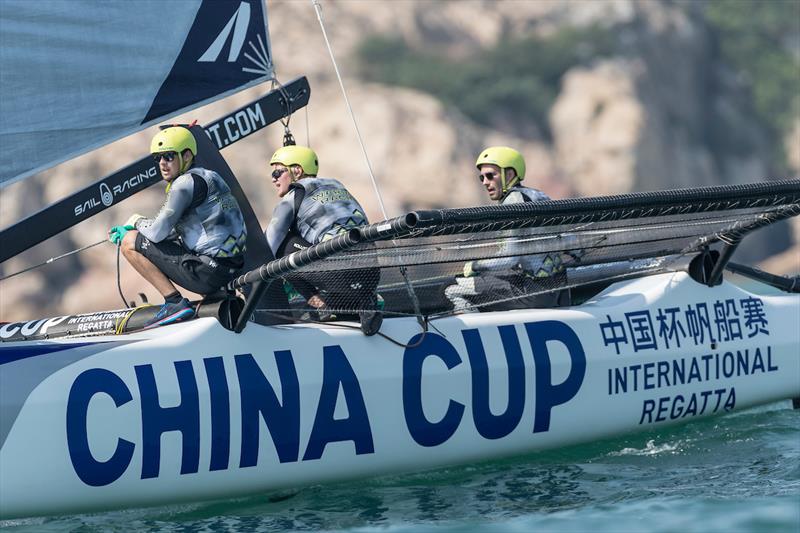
(740, 472)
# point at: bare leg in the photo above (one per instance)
(144, 267)
(316, 301)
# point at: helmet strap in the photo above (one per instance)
(184, 164)
(508, 185)
(294, 177)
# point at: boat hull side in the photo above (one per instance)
(194, 412)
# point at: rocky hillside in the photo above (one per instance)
(649, 115)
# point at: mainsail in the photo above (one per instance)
(78, 74)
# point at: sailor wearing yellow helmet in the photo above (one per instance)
(311, 210)
(516, 280)
(198, 238)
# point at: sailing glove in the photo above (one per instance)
(117, 233)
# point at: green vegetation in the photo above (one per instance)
(754, 39)
(504, 87)
(515, 83)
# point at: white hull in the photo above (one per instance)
(341, 405)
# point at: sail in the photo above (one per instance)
(79, 74)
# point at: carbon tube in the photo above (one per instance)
(299, 259)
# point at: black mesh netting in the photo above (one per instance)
(544, 255)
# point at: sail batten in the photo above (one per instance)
(78, 75)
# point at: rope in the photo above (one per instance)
(349, 326)
(308, 130)
(318, 10)
(53, 259)
(119, 281)
(119, 327)
(288, 138)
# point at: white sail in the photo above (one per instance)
(78, 74)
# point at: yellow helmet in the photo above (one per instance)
(297, 155)
(504, 157)
(173, 139)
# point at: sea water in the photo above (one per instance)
(739, 472)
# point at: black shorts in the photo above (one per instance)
(348, 289)
(198, 273)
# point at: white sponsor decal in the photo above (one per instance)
(107, 194)
(238, 25)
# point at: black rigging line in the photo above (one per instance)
(52, 259)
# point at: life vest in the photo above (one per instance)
(324, 208)
(537, 266)
(213, 223)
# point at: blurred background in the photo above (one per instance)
(600, 96)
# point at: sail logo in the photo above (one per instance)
(238, 25)
(236, 31)
(109, 194)
(105, 195)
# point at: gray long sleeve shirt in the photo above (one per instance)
(539, 265)
(327, 209)
(202, 214)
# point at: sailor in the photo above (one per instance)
(312, 210)
(197, 239)
(513, 281)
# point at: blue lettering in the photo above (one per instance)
(635, 371)
(758, 361)
(423, 431)
(621, 380)
(663, 374)
(90, 470)
(705, 394)
(694, 372)
(728, 364)
(220, 413)
(661, 415)
(707, 359)
(679, 371)
(730, 403)
(719, 393)
(648, 376)
(677, 403)
(259, 398)
(337, 372)
(492, 426)
(647, 410)
(742, 362)
(549, 395)
(157, 420)
(691, 409)
(770, 366)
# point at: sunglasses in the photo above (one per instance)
(278, 172)
(488, 176)
(168, 157)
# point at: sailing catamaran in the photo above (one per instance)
(256, 393)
